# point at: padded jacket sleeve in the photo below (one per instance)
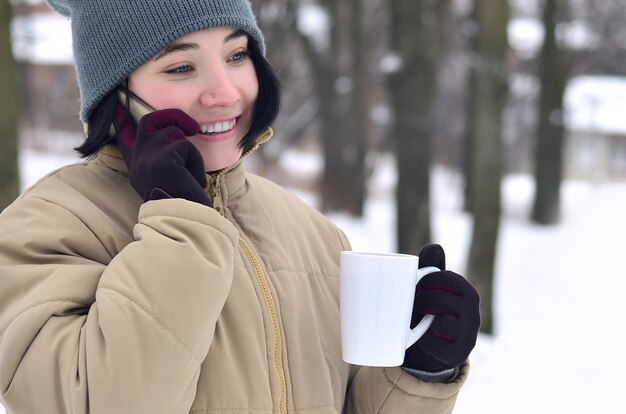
(392, 390)
(85, 328)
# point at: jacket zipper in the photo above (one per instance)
(269, 300)
(214, 179)
(216, 193)
(218, 205)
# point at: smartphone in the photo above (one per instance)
(137, 106)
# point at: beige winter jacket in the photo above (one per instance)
(110, 305)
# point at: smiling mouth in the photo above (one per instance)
(218, 127)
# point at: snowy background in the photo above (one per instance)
(560, 339)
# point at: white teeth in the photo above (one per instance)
(218, 127)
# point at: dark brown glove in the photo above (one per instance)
(161, 162)
(455, 304)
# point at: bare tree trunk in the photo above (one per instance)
(359, 110)
(491, 94)
(9, 177)
(335, 74)
(412, 90)
(343, 181)
(550, 131)
(469, 135)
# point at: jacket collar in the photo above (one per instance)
(229, 180)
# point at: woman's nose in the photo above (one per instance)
(219, 90)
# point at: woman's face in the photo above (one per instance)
(208, 75)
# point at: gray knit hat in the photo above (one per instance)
(112, 38)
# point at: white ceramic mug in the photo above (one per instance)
(376, 299)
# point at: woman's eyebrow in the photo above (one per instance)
(173, 48)
(181, 47)
(235, 34)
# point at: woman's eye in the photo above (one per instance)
(239, 57)
(180, 70)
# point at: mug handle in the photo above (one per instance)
(421, 328)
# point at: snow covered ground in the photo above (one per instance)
(560, 333)
(560, 330)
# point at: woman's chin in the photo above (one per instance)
(217, 155)
(215, 162)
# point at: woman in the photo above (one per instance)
(159, 276)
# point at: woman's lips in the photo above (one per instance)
(220, 130)
(218, 127)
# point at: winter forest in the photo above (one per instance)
(492, 127)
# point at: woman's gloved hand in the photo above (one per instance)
(161, 162)
(455, 304)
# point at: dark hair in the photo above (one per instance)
(265, 109)
(100, 121)
(268, 102)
